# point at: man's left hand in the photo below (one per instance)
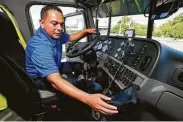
(91, 30)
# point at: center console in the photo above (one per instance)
(121, 77)
(127, 63)
(121, 74)
(125, 100)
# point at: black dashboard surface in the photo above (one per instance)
(148, 57)
(144, 53)
(155, 67)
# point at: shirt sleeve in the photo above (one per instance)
(43, 61)
(64, 38)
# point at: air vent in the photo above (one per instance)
(145, 63)
(180, 77)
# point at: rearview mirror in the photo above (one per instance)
(166, 9)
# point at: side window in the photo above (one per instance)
(35, 16)
(75, 23)
(35, 11)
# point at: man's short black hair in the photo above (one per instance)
(45, 9)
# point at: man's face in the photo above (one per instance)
(53, 24)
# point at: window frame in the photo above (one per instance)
(75, 14)
(32, 3)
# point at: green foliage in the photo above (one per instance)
(165, 29)
(140, 29)
(127, 23)
(122, 25)
(115, 29)
(157, 33)
(177, 30)
(125, 20)
(177, 19)
(173, 29)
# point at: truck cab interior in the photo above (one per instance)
(137, 50)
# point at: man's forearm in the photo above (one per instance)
(67, 88)
(95, 101)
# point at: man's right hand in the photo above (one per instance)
(97, 103)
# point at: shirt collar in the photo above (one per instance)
(42, 33)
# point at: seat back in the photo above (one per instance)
(22, 97)
(20, 89)
(9, 41)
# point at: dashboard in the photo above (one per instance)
(144, 53)
(142, 62)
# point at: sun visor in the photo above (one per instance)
(124, 7)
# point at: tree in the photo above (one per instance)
(115, 29)
(177, 30)
(173, 29)
(177, 19)
(165, 29)
(122, 25)
(140, 29)
(125, 20)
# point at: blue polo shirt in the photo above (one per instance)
(43, 54)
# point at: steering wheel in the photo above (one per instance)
(78, 49)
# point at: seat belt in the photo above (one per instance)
(21, 39)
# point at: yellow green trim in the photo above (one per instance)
(21, 39)
(3, 102)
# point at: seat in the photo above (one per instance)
(9, 41)
(20, 96)
(20, 90)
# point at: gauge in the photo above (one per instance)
(132, 44)
(122, 43)
(98, 54)
(116, 55)
(119, 49)
(96, 46)
(106, 41)
(122, 53)
(109, 42)
(99, 46)
(105, 48)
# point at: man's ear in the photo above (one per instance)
(41, 22)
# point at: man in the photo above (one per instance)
(43, 58)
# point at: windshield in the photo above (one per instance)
(168, 31)
(121, 23)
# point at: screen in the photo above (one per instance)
(130, 33)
